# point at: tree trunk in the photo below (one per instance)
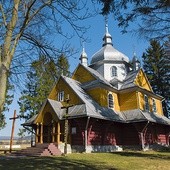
(3, 85)
(7, 52)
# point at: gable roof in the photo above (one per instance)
(98, 77)
(129, 80)
(93, 109)
(138, 81)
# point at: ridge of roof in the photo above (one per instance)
(98, 76)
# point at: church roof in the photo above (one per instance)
(108, 52)
(93, 109)
(129, 80)
(90, 108)
(138, 115)
(98, 77)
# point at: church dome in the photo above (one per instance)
(108, 52)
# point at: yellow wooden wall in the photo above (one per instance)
(100, 95)
(82, 75)
(159, 106)
(62, 86)
(128, 101)
(46, 110)
(142, 81)
(142, 103)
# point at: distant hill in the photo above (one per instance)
(15, 138)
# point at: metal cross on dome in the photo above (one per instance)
(106, 23)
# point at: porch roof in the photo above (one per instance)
(137, 115)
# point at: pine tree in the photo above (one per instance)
(63, 66)
(156, 66)
(40, 79)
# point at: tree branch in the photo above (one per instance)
(3, 15)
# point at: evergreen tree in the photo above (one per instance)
(156, 64)
(41, 77)
(63, 66)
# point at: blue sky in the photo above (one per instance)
(125, 43)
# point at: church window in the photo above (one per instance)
(146, 103)
(110, 101)
(153, 105)
(61, 96)
(113, 71)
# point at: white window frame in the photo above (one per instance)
(146, 100)
(61, 96)
(113, 71)
(154, 109)
(110, 101)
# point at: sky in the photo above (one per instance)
(125, 43)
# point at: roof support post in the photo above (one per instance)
(168, 138)
(142, 136)
(41, 133)
(37, 132)
(86, 136)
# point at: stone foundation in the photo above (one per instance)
(96, 148)
(61, 147)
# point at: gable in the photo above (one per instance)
(47, 113)
(142, 81)
(62, 85)
(82, 75)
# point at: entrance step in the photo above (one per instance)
(45, 149)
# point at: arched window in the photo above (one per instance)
(61, 96)
(110, 101)
(113, 71)
(146, 103)
(153, 105)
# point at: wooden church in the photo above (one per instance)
(105, 106)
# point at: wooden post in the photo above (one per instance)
(66, 124)
(66, 136)
(53, 132)
(142, 141)
(58, 132)
(86, 136)
(12, 131)
(41, 133)
(37, 133)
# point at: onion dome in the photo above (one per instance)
(83, 58)
(108, 52)
(135, 62)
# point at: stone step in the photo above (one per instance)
(47, 149)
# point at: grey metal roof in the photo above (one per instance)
(30, 121)
(90, 108)
(138, 115)
(108, 52)
(93, 109)
(56, 107)
(129, 80)
(152, 117)
(98, 76)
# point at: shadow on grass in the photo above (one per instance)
(46, 163)
(158, 155)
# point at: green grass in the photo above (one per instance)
(118, 160)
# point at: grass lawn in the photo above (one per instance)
(118, 160)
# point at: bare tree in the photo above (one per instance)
(148, 18)
(28, 27)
